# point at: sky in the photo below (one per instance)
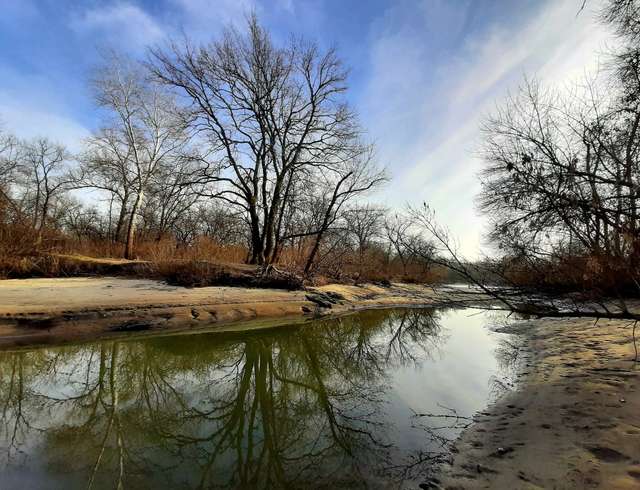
(423, 73)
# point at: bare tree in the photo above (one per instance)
(365, 224)
(347, 182)
(84, 222)
(99, 170)
(143, 134)
(172, 194)
(43, 176)
(624, 15)
(9, 147)
(408, 243)
(562, 174)
(273, 116)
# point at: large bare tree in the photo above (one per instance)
(273, 116)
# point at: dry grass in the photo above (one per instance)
(158, 250)
(196, 273)
(203, 263)
(600, 275)
(52, 265)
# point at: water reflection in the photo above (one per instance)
(324, 405)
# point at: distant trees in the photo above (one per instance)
(34, 177)
(365, 224)
(8, 167)
(171, 195)
(408, 241)
(43, 176)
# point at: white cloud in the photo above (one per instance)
(121, 24)
(201, 19)
(427, 107)
(28, 122)
(31, 106)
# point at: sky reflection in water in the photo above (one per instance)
(330, 404)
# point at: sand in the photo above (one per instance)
(574, 421)
(44, 311)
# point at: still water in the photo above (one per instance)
(330, 404)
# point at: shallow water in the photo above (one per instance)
(329, 404)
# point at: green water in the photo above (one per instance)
(330, 404)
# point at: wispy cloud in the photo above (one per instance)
(33, 121)
(123, 25)
(428, 124)
(29, 108)
(202, 19)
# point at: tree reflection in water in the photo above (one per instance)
(288, 408)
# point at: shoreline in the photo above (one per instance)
(572, 422)
(61, 310)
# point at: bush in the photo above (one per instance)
(596, 275)
(197, 273)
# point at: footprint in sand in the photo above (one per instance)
(607, 454)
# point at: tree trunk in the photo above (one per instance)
(314, 251)
(617, 219)
(131, 230)
(257, 246)
(121, 217)
(629, 165)
(270, 226)
(42, 219)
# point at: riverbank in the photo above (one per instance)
(39, 311)
(574, 421)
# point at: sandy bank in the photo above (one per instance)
(573, 424)
(57, 310)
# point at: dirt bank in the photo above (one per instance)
(34, 311)
(573, 423)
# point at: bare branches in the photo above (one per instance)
(274, 118)
(145, 136)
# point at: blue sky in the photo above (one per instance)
(423, 72)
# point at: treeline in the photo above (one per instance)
(561, 182)
(235, 151)
(245, 151)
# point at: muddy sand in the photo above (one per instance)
(573, 423)
(39, 311)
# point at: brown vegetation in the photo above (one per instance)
(204, 261)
